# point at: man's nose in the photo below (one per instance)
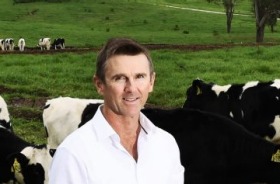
(130, 85)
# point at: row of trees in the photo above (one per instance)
(266, 13)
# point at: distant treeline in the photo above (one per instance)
(30, 1)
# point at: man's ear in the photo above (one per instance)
(152, 81)
(98, 84)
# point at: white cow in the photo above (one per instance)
(2, 44)
(21, 44)
(44, 43)
(9, 44)
(62, 115)
(5, 121)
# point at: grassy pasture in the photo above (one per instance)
(88, 23)
(36, 77)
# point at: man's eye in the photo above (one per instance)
(120, 78)
(140, 76)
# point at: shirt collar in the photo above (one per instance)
(147, 126)
(103, 129)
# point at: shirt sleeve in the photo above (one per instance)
(177, 176)
(66, 169)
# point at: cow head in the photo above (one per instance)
(31, 165)
(208, 97)
(198, 91)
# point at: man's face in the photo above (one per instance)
(128, 84)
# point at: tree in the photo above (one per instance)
(229, 9)
(264, 10)
(272, 20)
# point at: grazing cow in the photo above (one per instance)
(21, 161)
(255, 105)
(21, 44)
(9, 44)
(59, 42)
(44, 43)
(62, 115)
(5, 121)
(2, 44)
(213, 148)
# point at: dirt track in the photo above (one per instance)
(196, 47)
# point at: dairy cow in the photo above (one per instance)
(2, 44)
(21, 44)
(62, 115)
(44, 43)
(22, 162)
(58, 43)
(213, 148)
(5, 121)
(9, 44)
(254, 105)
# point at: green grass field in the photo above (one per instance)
(88, 23)
(91, 22)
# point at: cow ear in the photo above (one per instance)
(198, 90)
(16, 168)
(16, 161)
(20, 158)
(197, 86)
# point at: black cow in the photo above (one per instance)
(59, 42)
(21, 161)
(254, 105)
(214, 150)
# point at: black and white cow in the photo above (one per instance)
(44, 43)
(9, 44)
(5, 121)
(62, 115)
(213, 148)
(255, 105)
(2, 44)
(22, 162)
(58, 43)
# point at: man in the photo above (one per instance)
(119, 145)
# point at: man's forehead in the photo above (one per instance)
(125, 63)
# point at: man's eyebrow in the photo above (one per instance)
(144, 74)
(118, 75)
(124, 75)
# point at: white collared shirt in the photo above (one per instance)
(93, 154)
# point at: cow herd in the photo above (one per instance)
(8, 44)
(226, 134)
